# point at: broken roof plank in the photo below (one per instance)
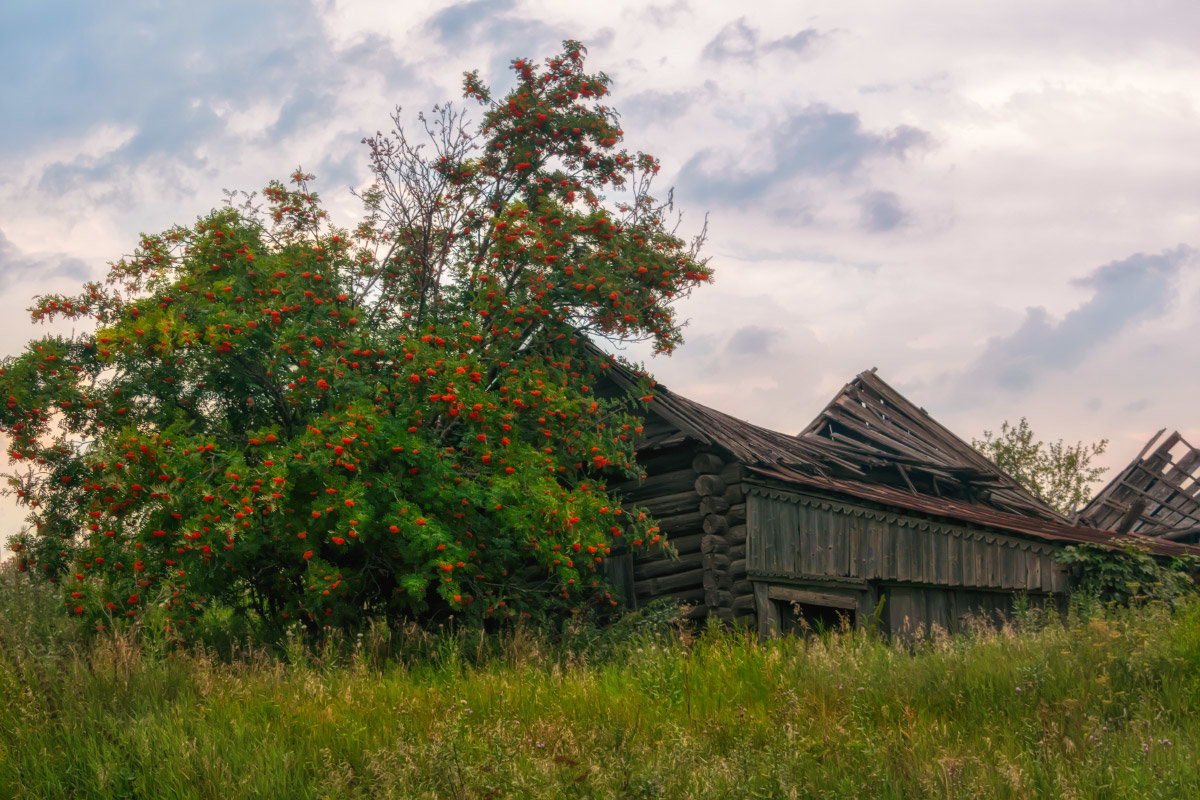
(881, 419)
(1168, 488)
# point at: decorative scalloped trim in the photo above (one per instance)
(901, 520)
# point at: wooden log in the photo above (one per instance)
(732, 473)
(671, 504)
(736, 551)
(713, 505)
(680, 523)
(715, 561)
(766, 612)
(718, 582)
(723, 614)
(686, 544)
(1131, 515)
(715, 524)
(790, 594)
(669, 584)
(654, 462)
(667, 483)
(622, 488)
(734, 493)
(713, 544)
(688, 596)
(718, 598)
(652, 553)
(707, 485)
(737, 533)
(707, 463)
(743, 604)
(665, 566)
(696, 612)
(736, 514)
(741, 586)
(737, 566)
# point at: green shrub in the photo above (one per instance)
(1130, 574)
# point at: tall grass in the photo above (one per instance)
(1100, 705)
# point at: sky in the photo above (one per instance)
(997, 204)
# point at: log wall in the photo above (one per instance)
(746, 553)
(668, 493)
(699, 503)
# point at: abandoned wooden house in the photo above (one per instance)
(874, 507)
(1157, 495)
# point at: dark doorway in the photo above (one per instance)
(802, 619)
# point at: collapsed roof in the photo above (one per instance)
(872, 443)
(890, 439)
(1157, 495)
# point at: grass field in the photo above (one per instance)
(1099, 704)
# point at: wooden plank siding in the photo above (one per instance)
(794, 534)
(917, 610)
(933, 574)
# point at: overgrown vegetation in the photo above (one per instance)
(1059, 474)
(1098, 704)
(1130, 574)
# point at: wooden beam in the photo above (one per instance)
(790, 595)
(1131, 516)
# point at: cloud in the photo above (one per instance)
(463, 23)
(815, 141)
(493, 26)
(882, 212)
(340, 170)
(753, 341)
(820, 141)
(737, 41)
(653, 106)
(17, 266)
(1123, 293)
(665, 15)
(301, 111)
(115, 101)
(162, 68)
(773, 375)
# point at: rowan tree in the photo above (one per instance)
(401, 418)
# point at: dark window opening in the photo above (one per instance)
(803, 619)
